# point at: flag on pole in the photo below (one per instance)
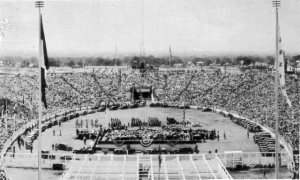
(281, 70)
(120, 77)
(44, 63)
(15, 112)
(6, 122)
(183, 112)
(6, 114)
(152, 94)
(159, 157)
(170, 52)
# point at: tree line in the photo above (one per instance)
(143, 61)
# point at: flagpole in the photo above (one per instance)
(6, 116)
(14, 121)
(39, 5)
(276, 4)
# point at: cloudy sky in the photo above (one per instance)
(85, 28)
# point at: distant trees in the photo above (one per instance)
(136, 61)
(71, 63)
(54, 62)
(270, 60)
(247, 60)
(297, 57)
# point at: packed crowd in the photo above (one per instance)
(249, 94)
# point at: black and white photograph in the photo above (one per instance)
(149, 89)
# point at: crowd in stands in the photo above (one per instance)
(249, 94)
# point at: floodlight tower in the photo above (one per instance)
(39, 5)
(276, 4)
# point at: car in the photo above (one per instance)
(91, 112)
(63, 147)
(174, 151)
(101, 109)
(49, 125)
(134, 105)
(161, 151)
(113, 107)
(28, 145)
(120, 151)
(123, 106)
(44, 128)
(48, 156)
(84, 151)
(185, 150)
(149, 151)
(66, 158)
(131, 151)
(142, 103)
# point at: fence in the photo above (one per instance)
(254, 159)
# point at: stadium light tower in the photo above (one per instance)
(39, 5)
(276, 4)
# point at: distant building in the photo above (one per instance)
(18, 65)
(31, 65)
(200, 63)
(191, 64)
(290, 69)
(1, 63)
(262, 64)
(178, 65)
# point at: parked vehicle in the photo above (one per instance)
(66, 158)
(63, 147)
(185, 150)
(84, 151)
(120, 151)
(134, 105)
(123, 106)
(113, 107)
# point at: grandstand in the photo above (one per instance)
(152, 117)
(213, 91)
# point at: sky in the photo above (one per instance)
(189, 27)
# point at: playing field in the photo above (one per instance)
(236, 136)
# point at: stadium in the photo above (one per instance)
(140, 120)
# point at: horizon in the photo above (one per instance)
(156, 55)
(114, 28)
